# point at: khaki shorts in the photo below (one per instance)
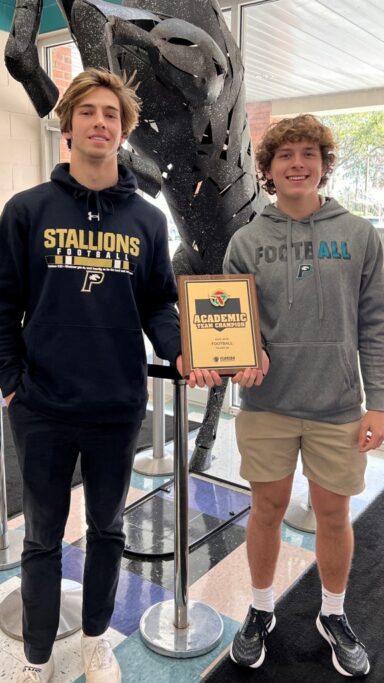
(269, 445)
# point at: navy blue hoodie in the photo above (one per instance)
(82, 273)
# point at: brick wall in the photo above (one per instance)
(62, 76)
(259, 117)
(20, 135)
(21, 128)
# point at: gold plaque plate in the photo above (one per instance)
(219, 320)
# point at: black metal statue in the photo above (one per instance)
(193, 142)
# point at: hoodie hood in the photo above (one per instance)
(330, 208)
(97, 203)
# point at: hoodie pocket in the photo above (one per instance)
(79, 363)
(310, 378)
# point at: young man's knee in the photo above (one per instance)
(269, 510)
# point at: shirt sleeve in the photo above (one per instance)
(160, 318)
(371, 323)
(13, 271)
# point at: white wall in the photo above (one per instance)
(20, 131)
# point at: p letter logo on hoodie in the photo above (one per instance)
(92, 277)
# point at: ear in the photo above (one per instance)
(123, 138)
(268, 174)
(67, 135)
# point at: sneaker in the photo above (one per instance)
(100, 664)
(348, 654)
(248, 647)
(33, 674)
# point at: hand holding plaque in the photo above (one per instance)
(219, 321)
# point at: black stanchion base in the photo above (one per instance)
(149, 525)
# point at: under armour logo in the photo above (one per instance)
(92, 278)
(304, 270)
(91, 216)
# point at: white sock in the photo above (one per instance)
(37, 666)
(332, 603)
(263, 599)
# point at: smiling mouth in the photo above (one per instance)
(297, 177)
(98, 138)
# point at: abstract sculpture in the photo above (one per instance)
(193, 142)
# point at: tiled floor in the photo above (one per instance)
(218, 571)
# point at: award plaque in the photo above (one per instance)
(219, 321)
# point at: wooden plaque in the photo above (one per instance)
(219, 321)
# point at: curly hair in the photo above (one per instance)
(303, 127)
(93, 78)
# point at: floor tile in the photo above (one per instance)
(200, 560)
(207, 496)
(233, 598)
(141, 665)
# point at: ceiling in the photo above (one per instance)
(301, 55)
(311, 48)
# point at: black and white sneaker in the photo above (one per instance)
(348, 654)
(248, 647)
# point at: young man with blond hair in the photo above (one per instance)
(320, 282)
(84, 269)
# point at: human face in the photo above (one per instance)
(96, 126)
(296, 170)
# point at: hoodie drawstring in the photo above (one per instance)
(290, 273)
(93, 212)
(319, 288)
(96, 206)
(289, 263)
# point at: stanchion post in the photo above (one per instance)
(176, 628)
(300, 515)
(3, 491)
(11, 542)
(158, 416)
(156, 462)
(181, 504)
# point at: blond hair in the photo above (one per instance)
(93, 78)
(303, 127)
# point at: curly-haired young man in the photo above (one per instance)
(320, 282)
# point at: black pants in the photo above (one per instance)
(48, 450)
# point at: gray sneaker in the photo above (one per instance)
(248, 647)
(348, 654)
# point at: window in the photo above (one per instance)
(228, 17)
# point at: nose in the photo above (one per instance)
(297, 161)
(100, 120)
